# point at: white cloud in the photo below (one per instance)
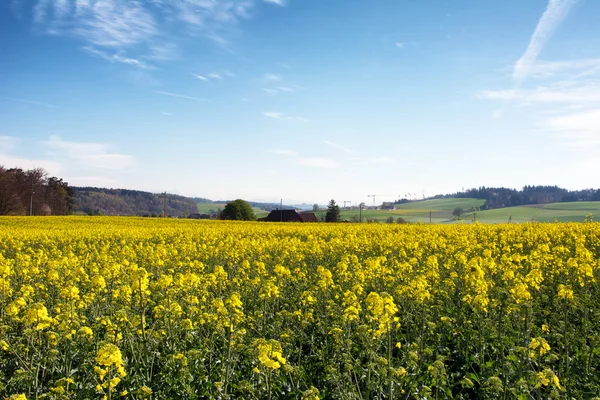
(214, 75)
(317, 162)
(582, 67)
(580, 131)
(338, 146)
(107, 23)
(555, 12)
(51, 167)
(284, 152)
(561, 92)
(181, 96)
(129, 23)
(201, 77)
(278, 115)
(88, 154)
(167, 113)
(400, 45)
(270, 92)
(272, 77)
(117, 58)
(278, 2)
(286, 89)
(37, 103)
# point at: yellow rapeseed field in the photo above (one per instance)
(137, 308)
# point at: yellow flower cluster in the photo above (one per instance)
(191, 308)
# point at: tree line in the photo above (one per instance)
(100, 201)
(499, 197)
(33, 192)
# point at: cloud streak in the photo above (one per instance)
(37, 103)
(568, 93)
(181, 96)
(118, 58)
(338, 146)
(555, 12)
(281, 116)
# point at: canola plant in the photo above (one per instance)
(114, 307)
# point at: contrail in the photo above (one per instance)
(555, 12)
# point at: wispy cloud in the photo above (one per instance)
(400, 45)
(214, 75)
(167, 113)
(117, 58)
(338, 146)
(579, 131)
(88, 154)
(270, 92)
(581, 67)
(272, 77)
(317, 162)
(284, 152)
(181, 96)
(107, 23)
(555, 12)
(278, 2)
(570, 92)
(9, 161)
(37, 103)
(281, 116)
(278, 90)
(143, 26)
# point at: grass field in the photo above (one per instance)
(563, 212)
(441, 212)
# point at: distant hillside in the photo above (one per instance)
(99, 201)
(530, 195)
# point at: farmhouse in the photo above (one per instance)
(289, 216)
(199, 216)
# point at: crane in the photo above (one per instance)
(373, 196)
(378, 195)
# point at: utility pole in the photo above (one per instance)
(31, 199)
(346, 202)
(280, 210)
(429, 216)
(360, 212)
(164, 213)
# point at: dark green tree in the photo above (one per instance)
(333, 212)
(238, 210)
(457, 212)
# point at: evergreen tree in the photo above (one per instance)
(333, 212)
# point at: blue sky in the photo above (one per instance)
(304, 100)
